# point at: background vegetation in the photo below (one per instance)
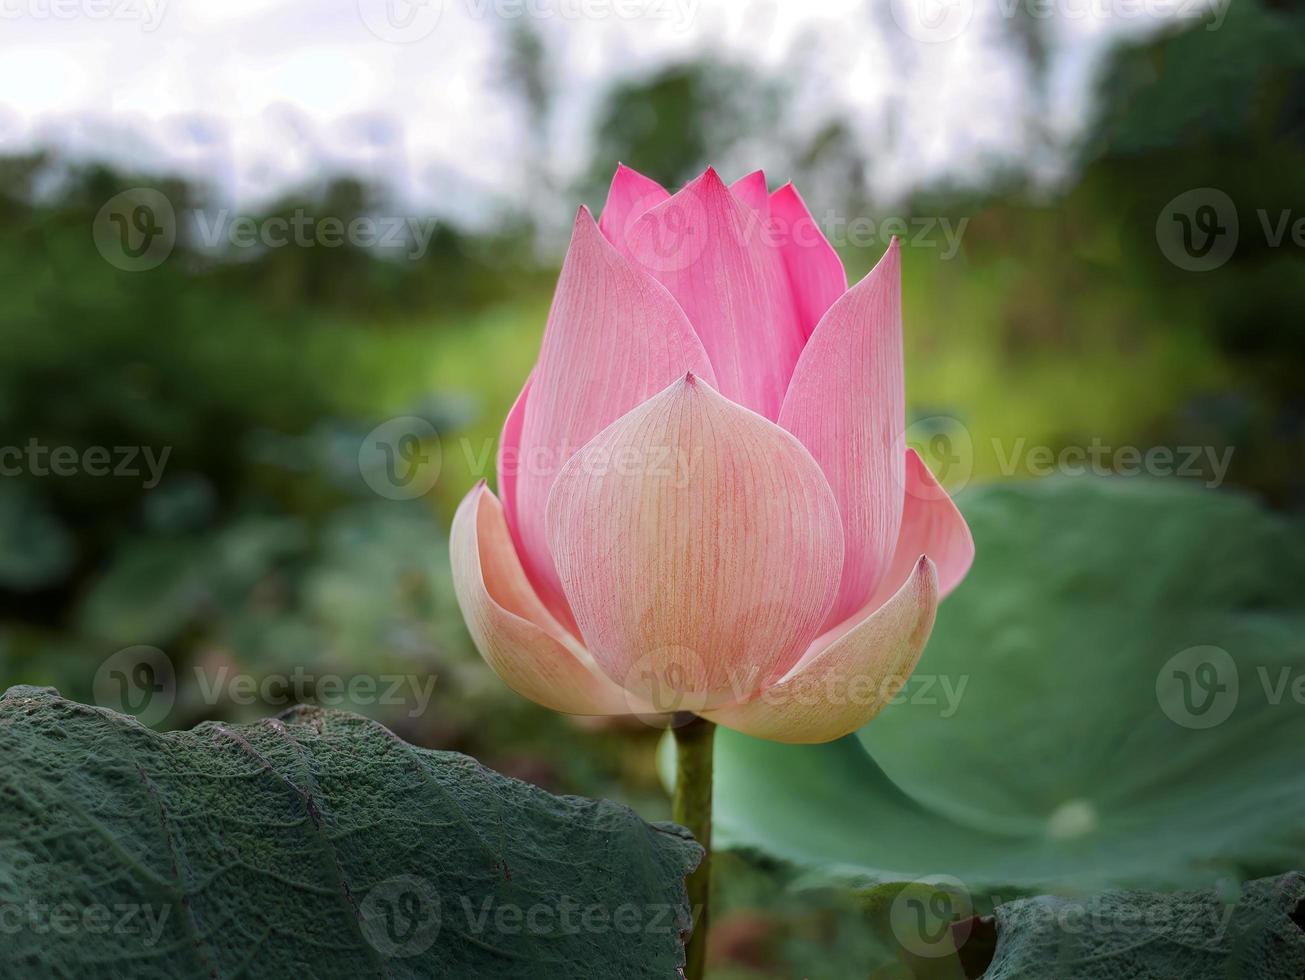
(1058, 321)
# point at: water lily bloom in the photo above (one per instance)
(706, 501)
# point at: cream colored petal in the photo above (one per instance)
(848, 675)
(513, 631)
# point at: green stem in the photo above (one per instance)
(692, 809)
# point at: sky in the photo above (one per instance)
(257, 97)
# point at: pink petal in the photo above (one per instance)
(614, 337)
(931, 525)
(849, 675)
(847, 404)
(815, 272)
(751, 190)
(508, 461)
(714, 255)
(698, 545)
(523, 644)
(629, 197)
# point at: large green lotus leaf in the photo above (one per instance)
(1114, 697)
(315, 845)
(1215, 934)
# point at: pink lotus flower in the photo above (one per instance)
(707, 501)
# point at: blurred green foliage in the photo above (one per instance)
(1058, 320)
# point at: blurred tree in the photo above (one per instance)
(683, 117)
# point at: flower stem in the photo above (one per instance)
(692, 809)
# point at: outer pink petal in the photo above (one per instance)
(848, 676)
(714, 255)
(847, 404)
(629, 197)
(509, 454)
(523, 644)
(614, 337)
(751, 190)
(815, 272)
(931, 525)
(699, 546)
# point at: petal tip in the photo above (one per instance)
(709, 179)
